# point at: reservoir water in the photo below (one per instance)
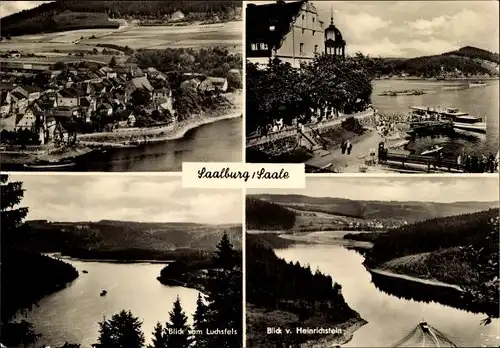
(389, 318)
(215, 142)
(73, 313)
(477, 101)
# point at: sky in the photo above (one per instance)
(445, 190)
(126, 197)
(413, 28)
(10, 7)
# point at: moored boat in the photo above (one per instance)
(432, 150)
(462, 121)
(477, 84)
(49, 165)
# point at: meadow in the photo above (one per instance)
(227, 35)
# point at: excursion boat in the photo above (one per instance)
(432, 150)
(462, 121)
(477, 84)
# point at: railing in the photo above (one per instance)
(292, 130)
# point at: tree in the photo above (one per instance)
(11, 194)
(224, 295)
(112, 62)
(140, 97)
(177, 329)
(122, 330)
(200, 323)
(159, 337)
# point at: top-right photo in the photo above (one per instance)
(373, 86)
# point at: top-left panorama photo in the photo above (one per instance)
(120, 86)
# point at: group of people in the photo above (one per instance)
(478, 164)
(386, 124)
(346, 147)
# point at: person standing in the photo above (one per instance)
(349, 147)
(343, 146)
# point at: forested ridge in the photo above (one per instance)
(262, 215)
(117, 236)
(392, 210)
(461, 250)
(276, 287)
(433, 234)
(469, 60)
(44, 18)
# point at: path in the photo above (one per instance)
(350, 163)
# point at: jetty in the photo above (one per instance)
(417, 163)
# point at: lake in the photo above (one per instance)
(389, 318)
(477, 101)
(72, 314)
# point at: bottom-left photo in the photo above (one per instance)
(119, 261)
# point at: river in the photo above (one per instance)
(73, 313)
(477, 101)
(389, 318)
(220, 141)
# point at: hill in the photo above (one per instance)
(262, 215)
(466, 61)
(381, 210)
(109, 235)
(90, 14)
(460, 250)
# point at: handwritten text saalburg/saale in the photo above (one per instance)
(227, 173)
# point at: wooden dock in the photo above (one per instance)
(416, 162)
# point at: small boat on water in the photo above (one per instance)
(432, 150)
(104, 293)
(85, 271)
(49, 165)
(477, 84)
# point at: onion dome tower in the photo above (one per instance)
(334, 44)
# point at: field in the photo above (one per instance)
(228, 35)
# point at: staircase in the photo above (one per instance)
(316, 142)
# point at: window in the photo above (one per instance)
(314, 32)
(301, 48)
(303, 30)
(303, 17)
(263, 46)
(313, 19)
(254, 47)
(315, 48)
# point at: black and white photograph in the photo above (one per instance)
(119, 86)
(374, 262)
(373, 86)
(119, 261)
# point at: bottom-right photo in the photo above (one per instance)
(374, 262)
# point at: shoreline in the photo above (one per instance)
(61, 257)
(157, 134)
(348, 328)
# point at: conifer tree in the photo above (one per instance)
(200, 323)
(159, 337)
(177, 328)
(224, 295)
(122, 330)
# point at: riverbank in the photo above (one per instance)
(44, 153)
(151, 135)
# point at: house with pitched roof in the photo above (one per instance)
(68, 97)
(291, 31)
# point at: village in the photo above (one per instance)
(56, 105)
